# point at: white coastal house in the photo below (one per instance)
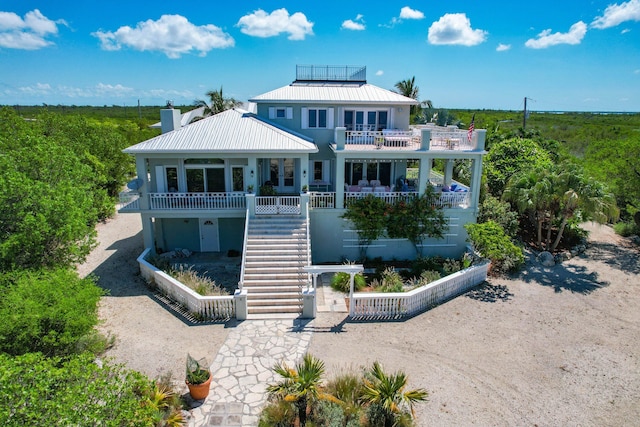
(330, 132)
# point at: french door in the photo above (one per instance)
(281, 175)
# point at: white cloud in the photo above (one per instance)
(379, 73)
(172, 35)
(29, 33)
(502, 47)
(356, 24)
(545, 38)
(408, 13)
(263, 24)
(455, 29)
(37, 89)
(625, 31)
(616, 14)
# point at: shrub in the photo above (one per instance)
(390, 281)
(493, 209)
(340, 282)
(429, 276)
(48, 312)
(39, 391)
(201, 284)
(451, 266)
(626, 229)
(490, 240)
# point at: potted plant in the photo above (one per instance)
(305, 188)
(198, 378)
(250, 189)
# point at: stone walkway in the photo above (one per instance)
(244, 364)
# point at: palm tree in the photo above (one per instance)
(386, 393)
(217, 103)
(409, 89)
(578, 193)
(531, 193)
(301, 385)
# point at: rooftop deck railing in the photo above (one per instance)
(410, 140)
(343, 73)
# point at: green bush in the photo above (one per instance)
(626, 229)
(490, 240)
(51, 312)
(40, 391)
(390, 281)
(493, 209)
(340, 282)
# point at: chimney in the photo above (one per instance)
(170, 118)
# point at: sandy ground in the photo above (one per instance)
(552, 346)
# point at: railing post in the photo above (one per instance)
(240, 298)
(309, 304)
(425, 139)
(481, 134)
(340, 136)
(352, 303)
(251, 205)
(304, 204)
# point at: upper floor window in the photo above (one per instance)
(281, 113)
(317, 118)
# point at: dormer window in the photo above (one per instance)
(281, 113)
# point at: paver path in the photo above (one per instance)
(244, 367)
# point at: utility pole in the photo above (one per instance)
(524, 116)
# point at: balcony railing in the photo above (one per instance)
(130, 201)
(409, 140)
(337, 73)
(449, 200)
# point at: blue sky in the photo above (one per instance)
(563, 55)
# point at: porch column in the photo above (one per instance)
(147, 232)
(251, 204)
(448, 172)
(141, 170)
(481, 136)
(340, 137)
(424, 173)
(339, 181)
(476, 179)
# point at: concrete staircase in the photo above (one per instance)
(275, 254)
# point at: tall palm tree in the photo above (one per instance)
(217, 103)
(387, 393)
(301, 385)
(409, 89)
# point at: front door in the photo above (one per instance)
(209, 239)
(282, 172)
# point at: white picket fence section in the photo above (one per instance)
(203, 307)
(385, 306)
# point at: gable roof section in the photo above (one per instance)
(232, 131)
(334, 93)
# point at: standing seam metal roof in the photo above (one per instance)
(231, 131)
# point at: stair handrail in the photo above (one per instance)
(307, 221)
(244, 250)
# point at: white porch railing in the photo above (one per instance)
(204, 307)
(278, 205)
(129, 200)
(379, 139)
(399, 305)
(207, 201)
(324, 200)
(389, 197)
(452, 140)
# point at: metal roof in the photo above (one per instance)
(232, 131)
(334, 93)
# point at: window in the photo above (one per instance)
(366, 120)
(172, 179)
(317, 171)
(237, 178)
(205, 180)
(317, 118)
(280, 113)
(355, 171)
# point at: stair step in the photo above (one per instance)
(284, 282)
(260, 297)
(272, 288)
(276, 309)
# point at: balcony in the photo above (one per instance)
(130, 201)
(440, 139)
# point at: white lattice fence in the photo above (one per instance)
(398, 305)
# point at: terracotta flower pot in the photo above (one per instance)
(199, 391)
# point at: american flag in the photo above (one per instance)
(472, 126)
